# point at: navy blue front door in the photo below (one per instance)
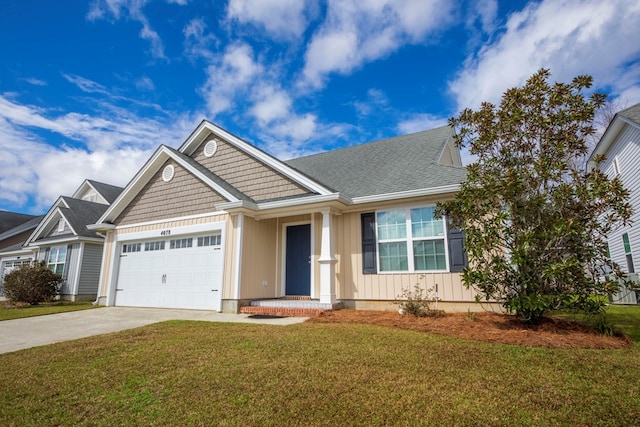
(298, 265)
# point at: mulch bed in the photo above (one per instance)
(485, 326)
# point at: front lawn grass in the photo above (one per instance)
(198, 373)
(8, 312)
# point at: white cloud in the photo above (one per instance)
(281, 19)
(35, 82)
(570, 38)
(85, 85)
(357, 32)
(197, 41)
(111, 149)
(485, 12)
(229, 77)
(271, 103)
(132, 9)
(376, 101)
(145, 84)
(420, 122)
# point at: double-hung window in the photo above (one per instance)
(628, 254)
(56, 259)
(411, 240)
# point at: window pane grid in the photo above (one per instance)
(411, 240)
(627, 245)
(181, 243)
(393, 256)
(154, 246)
(423, 224)
(131, 247)
(213, 240)
(429, 255)
(392, 225)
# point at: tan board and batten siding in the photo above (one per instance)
(247, 174)
(352, 284)
(184, 195)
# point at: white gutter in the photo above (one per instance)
(406, 194)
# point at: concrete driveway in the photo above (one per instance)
(41, 330)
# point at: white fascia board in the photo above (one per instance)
(16, 252)
(203, 130)
(135, 185)
(68, 223)
(610, 136)
(299, 201)
(238, 204)
(101, 227)
(81, 189)
(64, 240)
(407, 194)
(607, 139)
(45, 221)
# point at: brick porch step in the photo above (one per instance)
(282, 311)
(288, 306)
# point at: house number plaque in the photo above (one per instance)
(165, 233)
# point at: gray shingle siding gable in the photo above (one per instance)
(404, 163)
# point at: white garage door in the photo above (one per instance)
(177, 272)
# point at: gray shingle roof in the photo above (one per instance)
(9, 220)
(81, 213)
(631, 113)
(403, 163)
(109, 192)
(28, 225)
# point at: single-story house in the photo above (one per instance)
(62, 240)
(15, 228)
(219, 224)
(620, 143)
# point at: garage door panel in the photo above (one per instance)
(183, 277)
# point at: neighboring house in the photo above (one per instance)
(219, 224)
(63, 241)
(620, 143)
(15, 228)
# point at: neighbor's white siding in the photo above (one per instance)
(626, 150)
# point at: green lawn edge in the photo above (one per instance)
(207, 373)
(10, 313)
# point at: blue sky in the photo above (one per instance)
(90, 89)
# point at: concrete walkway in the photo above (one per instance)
(18, 334)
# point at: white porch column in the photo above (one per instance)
(327, 260)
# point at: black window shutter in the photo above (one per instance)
(369, 264)
(457, 255)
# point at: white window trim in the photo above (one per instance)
(56, 262)
(61, 225)
(616, 166)
(409, 240)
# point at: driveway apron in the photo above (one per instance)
(19, 334)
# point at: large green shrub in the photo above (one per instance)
(535, 221)
(32, 284)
